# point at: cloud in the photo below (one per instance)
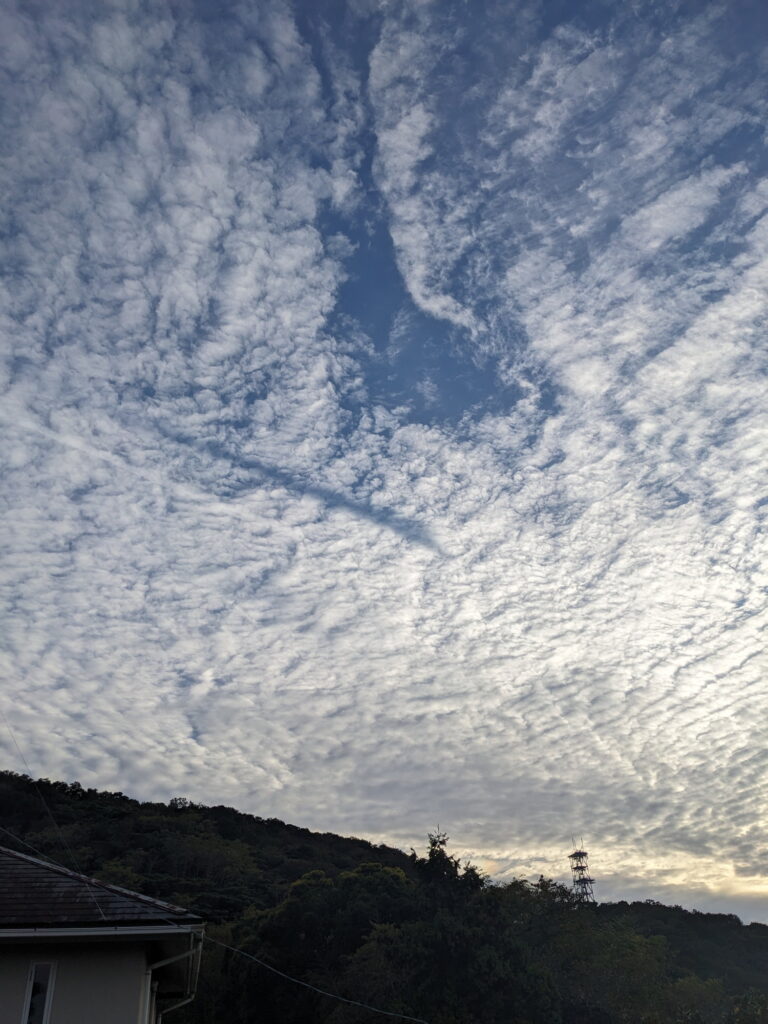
(636, 625)
(679, 210)
(233, 571)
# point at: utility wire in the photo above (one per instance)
(64, 842)
(54, 863)
(34, 849)
(234, 949)
(305, 984)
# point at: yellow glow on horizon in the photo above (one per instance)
(676, 870)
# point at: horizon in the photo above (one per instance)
(619, 888)
(384, 430)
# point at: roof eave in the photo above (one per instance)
(122, 931)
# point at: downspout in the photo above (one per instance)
(196, 949)
(146, 997)
(175, 1006)
(148, 982)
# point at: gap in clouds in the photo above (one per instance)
(384, 416)
(417, 366)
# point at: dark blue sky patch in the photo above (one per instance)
(373, 291)
(429, 368)
(418, 364)
(221, 463)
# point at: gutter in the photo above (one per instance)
(121, 931)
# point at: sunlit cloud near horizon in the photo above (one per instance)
(384, 417)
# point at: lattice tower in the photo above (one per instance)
(582, 883)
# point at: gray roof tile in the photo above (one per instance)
(34, 893)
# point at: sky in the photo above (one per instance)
(385, 423)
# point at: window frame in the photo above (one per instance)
(48, 992)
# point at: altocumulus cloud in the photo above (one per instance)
(233, 569)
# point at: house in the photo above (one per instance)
(77, 951)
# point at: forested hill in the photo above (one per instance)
(423, 936)
(214, 860)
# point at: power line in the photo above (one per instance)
(224, 945)
(29, 846)
(232, 949)
(64, 842)
(313, 988)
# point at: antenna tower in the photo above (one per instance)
(582, 883)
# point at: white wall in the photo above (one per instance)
(101, 983)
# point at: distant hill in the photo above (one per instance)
(427, 936)
(215, 860)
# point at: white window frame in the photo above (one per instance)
(48, 994)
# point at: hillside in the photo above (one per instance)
(213, 860)
(423, 936)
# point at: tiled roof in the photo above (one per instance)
(34, 893)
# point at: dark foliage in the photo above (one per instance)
(428, 936)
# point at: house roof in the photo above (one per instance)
(36, 894)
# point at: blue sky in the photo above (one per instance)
(384, 422)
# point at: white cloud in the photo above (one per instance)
(224, 579)
(679, 209)
(645, 604)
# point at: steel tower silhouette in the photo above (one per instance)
(582, 883)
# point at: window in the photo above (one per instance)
(37, 1005)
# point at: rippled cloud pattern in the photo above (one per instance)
(385, 421)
